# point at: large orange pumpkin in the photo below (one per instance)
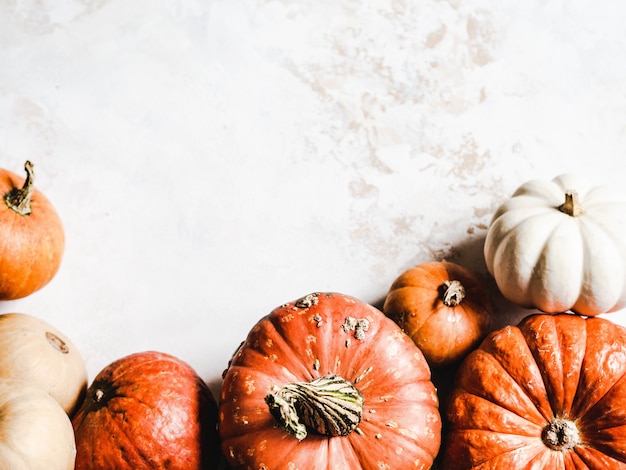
(549, 393)
(328, 382)
(443, 307)
(147, 411)
(32, 239)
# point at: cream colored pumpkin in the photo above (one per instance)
(35, 432)
(560, 245)
(36, 352)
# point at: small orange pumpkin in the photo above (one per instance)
(32, 239)
(443, 307)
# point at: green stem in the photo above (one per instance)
(330, 405)
(18, 199)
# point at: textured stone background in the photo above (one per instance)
(214, 159)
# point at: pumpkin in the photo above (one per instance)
(32, 239)
(35, 432)
(443, 307)
(147, 411)
(560, 245)
(36, 352)
(549, 393)
(328, 382)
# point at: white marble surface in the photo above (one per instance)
(214, 159)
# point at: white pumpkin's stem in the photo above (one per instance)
(561, 435)
(330, 405)
(571, 206)
(18, 199)
(453, 293)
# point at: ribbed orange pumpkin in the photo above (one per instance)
(328, 382)
(443, 307)
(549, 393)
(32, 239)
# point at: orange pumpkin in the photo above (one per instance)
(549, 393)
(328, 382)
(443, 307)
(32, 239)
(147, 411)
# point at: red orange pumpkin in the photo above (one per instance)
(328, 382)
(147, 411)
(549, 393)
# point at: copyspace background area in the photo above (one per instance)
(212, 160)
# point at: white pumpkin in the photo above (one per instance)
(35, 432)
(36, 352)
(560, 245)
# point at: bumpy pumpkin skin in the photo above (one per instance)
(38, 353)
(549, 393)
(307, 339)
(31, 246)
(553, 252)
(147, 411)
(444, 330)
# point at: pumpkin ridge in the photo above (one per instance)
(130, 441)
(587, 454)
(528, 443)
(582, 401)
(511, 236)
(583, 417)
(591, 406)
(539, 292)
(564, 409)
(525, 391)
(530, 429)
(587, 249)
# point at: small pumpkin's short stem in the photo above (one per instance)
(18, 199)
(330, 405)
(453, 293)
(571, 206)
(561, 435)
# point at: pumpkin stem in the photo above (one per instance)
(561, 434)
(330, 405)
(18, 199)
(571, 206)
(453, 293)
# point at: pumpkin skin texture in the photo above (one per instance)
(35, 432)
(443, 308)
(560, 245)
(36, 352)
(148, 410)
(385, 412)
(549, 393)
(32, 239)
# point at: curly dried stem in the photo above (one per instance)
(330, 405)
(453, 293)
(18, 199)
